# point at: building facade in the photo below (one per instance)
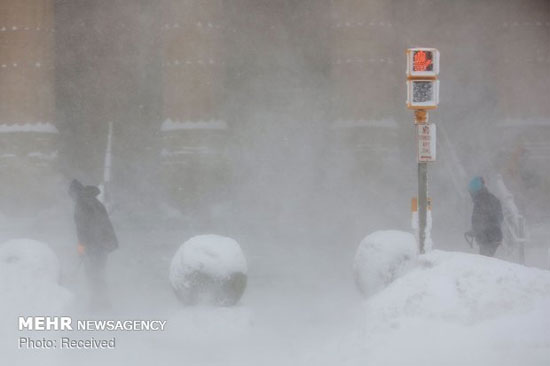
(195, 90)
(28, 135)
(194, 130)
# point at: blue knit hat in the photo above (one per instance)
(475, 185)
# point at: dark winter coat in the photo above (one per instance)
(94, 229)
(486, 218)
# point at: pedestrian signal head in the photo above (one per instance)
(422, 94)
(422, 63)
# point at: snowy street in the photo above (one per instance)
(304, 309)
(283, 318)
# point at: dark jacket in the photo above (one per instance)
(94, 229)
(487, 217)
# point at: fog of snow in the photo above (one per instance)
(295, 171)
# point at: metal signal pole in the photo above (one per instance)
(421, 117)
(422, 95)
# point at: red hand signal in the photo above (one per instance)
(421, 62)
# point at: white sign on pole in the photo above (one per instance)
(426, 138)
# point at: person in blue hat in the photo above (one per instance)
(487, 218)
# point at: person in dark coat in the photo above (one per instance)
(96, 238)
(487, 218)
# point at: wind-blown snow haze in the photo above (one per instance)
(257, 161)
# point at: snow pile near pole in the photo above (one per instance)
(451, 309)
(382, 257)
(209, 269)
(461, 309)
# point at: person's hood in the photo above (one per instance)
(75, 188)
(78, 190)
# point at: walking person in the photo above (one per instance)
(487, 218)
(96, 239)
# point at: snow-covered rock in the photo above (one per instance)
(29, 275)
(382, 257)
(209, 269)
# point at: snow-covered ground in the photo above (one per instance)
(301, 307)
(29, 275)
(454, 309)
(382, 257)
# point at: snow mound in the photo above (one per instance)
(382, 257)
(209, 269)
(169, 125)
(461, 309)
(22, 259)
(29, 275)
(40, 127)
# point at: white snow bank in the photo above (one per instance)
(463, 288)
(381, 257)
(22, 259)
(452, 309)
(461, 309)
(208, 265)
(43, 156)
(169, 125)
(29, 275)
(29, 271)
(39, 127)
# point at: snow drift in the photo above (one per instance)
(29, 275)
(22, 259)
(463, 309)
(381, 257)
(209, 269)
(453, 309)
